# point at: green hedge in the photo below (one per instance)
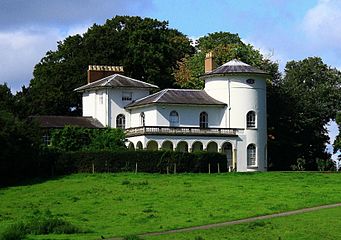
(147, 161)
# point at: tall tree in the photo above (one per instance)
(146, 47)
(225, 46)
(307, 98)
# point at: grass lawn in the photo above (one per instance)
(322, 224)
(122, 204)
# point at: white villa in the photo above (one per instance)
(228, 115)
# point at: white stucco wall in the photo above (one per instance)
(95, 105)
(240, 97)
(111, 105)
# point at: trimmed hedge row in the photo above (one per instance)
(144, 161)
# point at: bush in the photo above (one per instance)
(39, 225)
(72, 138)
(14, 232)
(146, 161)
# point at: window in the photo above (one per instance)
(174, 119)
(127, 96)
(251, 119)
(251, 155)
(120, 121)
(142, 119)
(203, 121)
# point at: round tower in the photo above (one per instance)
(243, 88)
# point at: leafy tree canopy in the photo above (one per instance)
(147, 49)
(225, 46)
(306, 99)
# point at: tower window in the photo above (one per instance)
(251, 119)
(251, 155)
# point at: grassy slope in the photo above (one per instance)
(121, 204)
(322, 224)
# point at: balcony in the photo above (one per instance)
(184, 131)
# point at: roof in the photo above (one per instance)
(116, 81)
(235, 66)
(177, 96)
(62, 121)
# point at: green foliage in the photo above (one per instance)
(43, 224)
(6, 98)
(300, 107)
(325, 165)
(72, 138)
(146, 48)
(107, 139)
(147, 161)
(19, 141)
(225, 46)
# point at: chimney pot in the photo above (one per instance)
(209, 62)
(96, 72)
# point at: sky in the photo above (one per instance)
(282, 30)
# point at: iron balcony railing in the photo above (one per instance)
(189, 131)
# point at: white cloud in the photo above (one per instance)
(21, 50)
(322, 23)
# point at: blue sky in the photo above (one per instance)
(283, 30)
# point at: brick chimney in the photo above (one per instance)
(209, 62)
(96, 72)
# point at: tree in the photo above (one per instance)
(6, 98)
(225, 46)
(147, 49)
(306, 99)
(337, 142)
(19, 141)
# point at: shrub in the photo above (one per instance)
(72, 138)
(39, 225)
(146, 161)
(14, 232)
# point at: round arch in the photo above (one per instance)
(212, 147)
(167, 145)
(131, 146)
(182, 146)
(197, 146)
(152, 145)
(139, 145)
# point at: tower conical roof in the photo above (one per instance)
(235, 66)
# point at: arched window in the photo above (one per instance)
(251, 119)
(203, 121)
(142, 119)
(251, 155)
(120, 121)
(174, 119)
